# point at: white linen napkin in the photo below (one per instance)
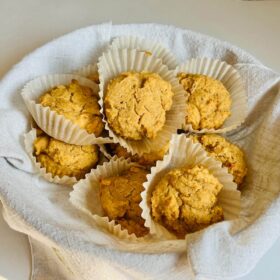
(66, 246)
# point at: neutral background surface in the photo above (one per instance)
(28, 24)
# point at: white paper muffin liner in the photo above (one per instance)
(117, 61)
(51, 122)
(88, 71)
(105, 152)
(29, 139)
(184, 152)
(231, 79)
(146, 45)
(85, 197)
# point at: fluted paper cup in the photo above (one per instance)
(29, 139)
(117, 61)
(184, 152)
(90, 72)
(49, 121)
(145, 45)
(105, 152)
(231, 79)
(85, 197)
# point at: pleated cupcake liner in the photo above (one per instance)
(117, 61)
(52, 123)
(231, 79)
(85, 197)
(89, 71)
(184, 152)
(29, 139)
(148, 46)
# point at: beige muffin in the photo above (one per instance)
(185, 200)
(136, 104)
(77, 103)
(229, 154)
(61, 159)
(120, 197)
(209, 102)
(147, 159)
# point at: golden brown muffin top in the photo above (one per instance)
(77, 103)
(185, 200)
(136, 104)
(147, 159)
(120, 197)
(229, 154)
(61, 159)
(209, 102)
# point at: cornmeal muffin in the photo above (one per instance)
(185, 200)
(209, 102)
(136, 104)
(77, 103)
(120, 198)
(229, 154)
(62, 159)
(147, 159)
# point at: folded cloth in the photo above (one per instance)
(66, 245)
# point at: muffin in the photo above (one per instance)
(77, 103)
(229, 154)
(136, 104)
(209, 102)
(120, 198)
(62, 159)
(147, 159)
(185, 200)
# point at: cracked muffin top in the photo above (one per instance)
(209, 102)
(136, 104)
(185, 200)
(120, 198)
(61, 159)
(229, 154)
(147, 159)
(77, 103)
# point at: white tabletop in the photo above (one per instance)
(26, 25)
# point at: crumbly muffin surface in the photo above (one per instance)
(185, 200)
(209, 102)
(61, 159)
(136, 104)
(77, 103)
(147, 159)
(229, 154)
(120, 197)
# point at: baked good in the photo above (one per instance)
(185, 200)
(120, 198)
(77, 103)
(61, 159)
(209, 102)
(146, 159)
(136, 104)
(229, 154)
